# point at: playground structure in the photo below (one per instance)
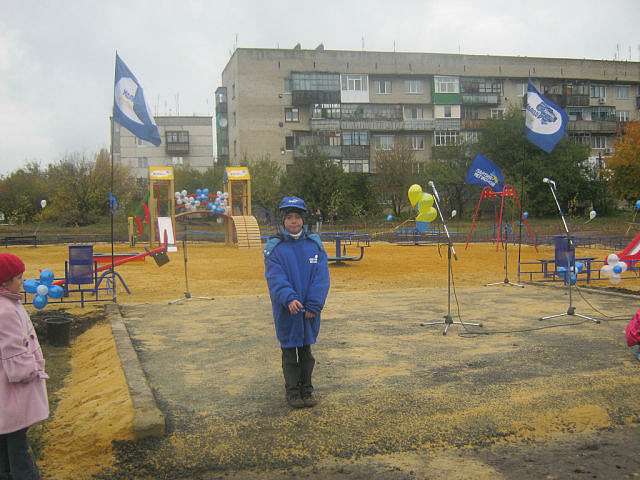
(342, 240)
(508, 192)
(631, 253)
(240, 226)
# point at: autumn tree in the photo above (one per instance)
(625, 164)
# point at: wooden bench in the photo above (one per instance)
(20, 240)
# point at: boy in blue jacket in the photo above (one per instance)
(297, 274)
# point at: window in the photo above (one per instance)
(521, 89)
(598, 91)
(470, 136)
(447, 111)
(384, 86)
(497, 113)
(598, 141)
(355, 165)
(470, 113)
(413, 112)
(288, 142)
(417, 142)
(287, 85)
(325, 110)
(177, 136)
(143, 162)
(581, 137)
(333, 139)
(622, 92)
(446, 85)
(177, 161)
(414, 86)
(291, 115)
(355, 83)
(623, 115)
(384, 142)
(235, 120)
(315, 81)
(445, 138)
(355, 138)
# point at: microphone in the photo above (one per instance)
(433, 187)
(548, 180)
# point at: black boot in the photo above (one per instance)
(307, 362)
(291, 371)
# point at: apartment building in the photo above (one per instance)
(351, 104)
(186, 141)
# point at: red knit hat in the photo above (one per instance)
(10, 266)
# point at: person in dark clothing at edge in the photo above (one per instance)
(297, 274)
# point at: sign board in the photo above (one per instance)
(165, 225)
(160, 173)
(236, 173)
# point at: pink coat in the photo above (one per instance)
(23, 392)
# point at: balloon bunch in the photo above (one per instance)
(202, 200)
(570, 274)
(613, 269)
(637, 204)
(424, 202)
(43, 288)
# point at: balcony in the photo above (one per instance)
(370, 124)
(355, 152)
(324, 124)
(309, 97)
(331, 151)
(473, 123)
(577, 100)
(447, 124)
(177, 147)
(599, 126)
(480, 98)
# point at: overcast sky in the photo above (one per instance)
(57, 57)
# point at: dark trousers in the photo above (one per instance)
(16, 462)
(297, 367)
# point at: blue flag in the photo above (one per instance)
(130, 109)
(486, 173)
(545, 122)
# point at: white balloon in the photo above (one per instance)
(42, 290)
(179, 201)
(197, 203)
(592, 214)
(178, 194)
(606, 271)
(612, 259)
(623, 265)
(615, 279)
(453, 213)
(184, 193)
(43, 203)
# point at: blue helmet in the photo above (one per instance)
(292, 204)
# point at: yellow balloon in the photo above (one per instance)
(425, 203)
(428, 215)
(415, 194)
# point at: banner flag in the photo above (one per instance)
(130, 108)
(545, 122)
(486, 173)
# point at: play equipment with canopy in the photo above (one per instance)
(241, 227)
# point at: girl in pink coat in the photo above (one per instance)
(23, 393)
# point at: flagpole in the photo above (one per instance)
(524, 156)
(110, 201)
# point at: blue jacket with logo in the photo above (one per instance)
(296, 270)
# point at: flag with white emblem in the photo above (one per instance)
(545, 122)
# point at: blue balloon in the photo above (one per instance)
(617, 268)
(525, 215)
(579, 266)
(40, 302)
(422, 226)
(390, 218)
(198, 191)
(46, 277)
(205, 191)
(30, 286)
(638, 205)
(574, 278)
(56, 291)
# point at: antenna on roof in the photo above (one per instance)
(320, 48)
(394, 46)
(297, 47)
(363, 43)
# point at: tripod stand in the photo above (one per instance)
(187, 294)
(448, 319)
(571, 259)
(505, 245)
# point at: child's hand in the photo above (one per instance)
(295, 307)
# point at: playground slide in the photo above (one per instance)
(247, 231)
(631, 251)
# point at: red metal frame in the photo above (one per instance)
(508, 191)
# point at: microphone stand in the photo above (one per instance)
(571, 310)
(187, 294)
(505, 245)
(448, 319)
